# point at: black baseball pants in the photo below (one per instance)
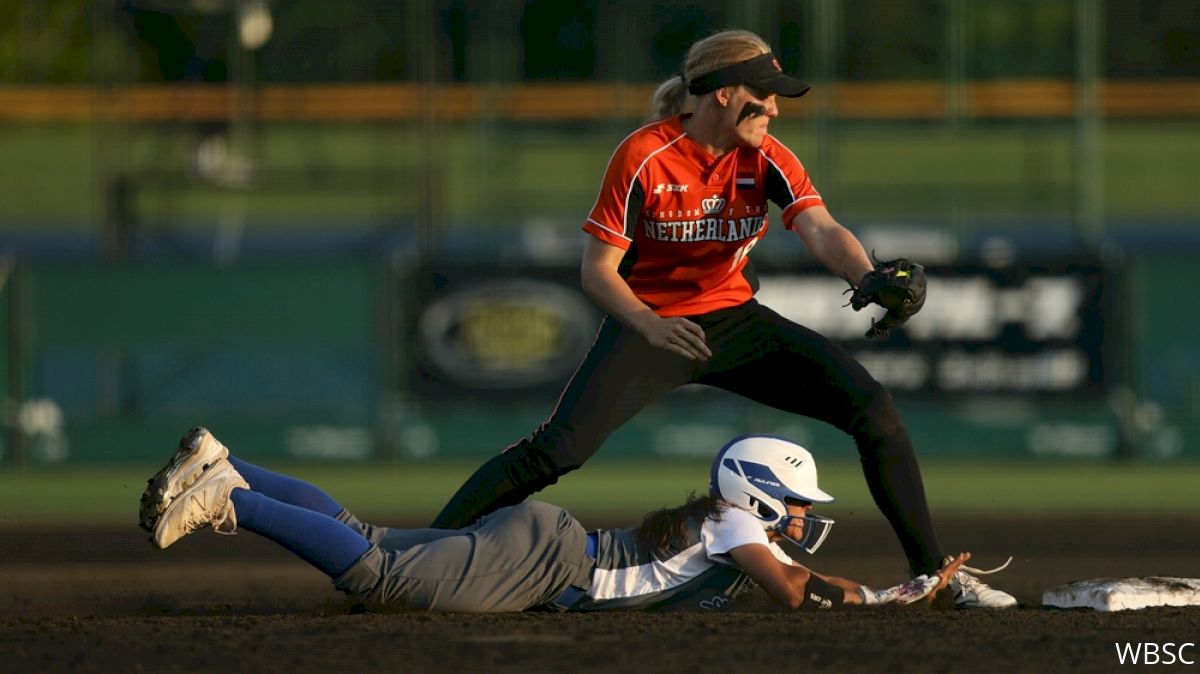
(757, 354)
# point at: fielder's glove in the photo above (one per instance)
(896, 285)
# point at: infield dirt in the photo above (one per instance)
(102, 599)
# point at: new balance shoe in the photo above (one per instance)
(970, 592)
(204, 503)
(197, 451)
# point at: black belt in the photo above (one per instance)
(572, 593)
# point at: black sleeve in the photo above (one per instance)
(637, 198)
(777, 188)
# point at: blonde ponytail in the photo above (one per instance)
(713, 52)
(670, 99)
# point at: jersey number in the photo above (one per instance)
(742, 253)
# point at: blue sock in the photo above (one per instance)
(318, 539)
(286, 489)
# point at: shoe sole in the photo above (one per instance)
(976, 604)
(970, 606)
(186, 466)
(221, 473)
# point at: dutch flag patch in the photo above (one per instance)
(745, 182)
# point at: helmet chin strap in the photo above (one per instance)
(816, 528)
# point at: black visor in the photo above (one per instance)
(762, 72)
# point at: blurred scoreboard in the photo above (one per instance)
(1037, 328)
(1040, 328)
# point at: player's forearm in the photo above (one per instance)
(610, 291)
(852, 589)
(840, 252)
(837, 248)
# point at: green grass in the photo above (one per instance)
(507, 173)
(415, 492)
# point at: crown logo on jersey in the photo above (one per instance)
(712, 205)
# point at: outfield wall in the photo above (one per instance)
(315, 359)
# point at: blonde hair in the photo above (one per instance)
(713, 52)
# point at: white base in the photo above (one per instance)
(1119, 594)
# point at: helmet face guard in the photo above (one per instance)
(816, 528)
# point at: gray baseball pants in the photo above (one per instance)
(514, 559)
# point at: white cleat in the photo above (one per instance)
(205, 503)
(198, 451)
(970, 592)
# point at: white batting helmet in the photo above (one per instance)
(759, 473)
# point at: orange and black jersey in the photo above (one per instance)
(687, 220)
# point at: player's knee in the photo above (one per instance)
(524, 465)
(536, 463)
(559, 446)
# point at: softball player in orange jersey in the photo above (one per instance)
(683, 202)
